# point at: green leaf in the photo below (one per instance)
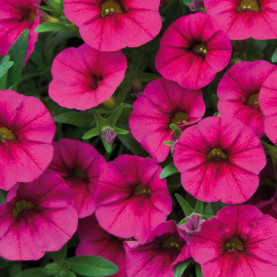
(182, 221)
(176, 130)
(3, 195)
(60, 255)
(168, 170)
(17, 54)
(33, 272)
(79, 119)
(69, 274)
(168, 143)
(208, 209)
(186, 207)
(132, 145)
(274, 56)
(108, 147)
(50, 27)
(198, 271)
(4, 263)
(92, 266)
(5, 67)
(119, 131)
(3, 79)
(92, 133)
(199, 208)
(181, 268)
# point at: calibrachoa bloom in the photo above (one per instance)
(219, 159)
(37, 217)
(26, 134)
(192, 50)
(268, 104)
(158, 255)
(96, 241)
(193, 225)
(242, 19)
(238, 93)
(110, 25)
(163, 102)
(15, 17)
(84, 78)
(239, 241)
(79, 164)
(130, 190)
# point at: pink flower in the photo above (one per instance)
(219, 159)
(238, 93)
(15, 17)
(110, 25)
(130, 190)
(26, 134)
(193, 225)
(245, 18)
(96, 241)
(84, 78)
(163, 102)
(268, 104)
(270, 206)
(239, 241)
(158, 255)
(192, 50)
(38, 217)
(79, 164)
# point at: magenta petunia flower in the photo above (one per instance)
(238, 93)
(164, 248)
(110, 25)
(219, 159)
(192, 50)
(268, 104)
(38, 217)
(84, 78)
(163, 102)
(15, 17)
(242, 19)
(96, 241)
(130, 190)
(239, 241)
(79, 164)
(26, 134)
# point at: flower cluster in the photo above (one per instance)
(201, 130)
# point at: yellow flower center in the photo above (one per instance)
(32, 16)
(234, 244)
(171, 242)
(6, 134)
(253, 99)
(200, 49)
(21, 206)
(140, 189)
(217, 153)
(252, 5)
(179, 118)
(77, 172)
(110, 6)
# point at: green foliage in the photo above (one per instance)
(17, 54)
(186, 207)
(198, 271)
(176, 130)
(60, 255)
(32, 272)
(92, 266)
(181, 268)
(274, 56)
(51, 27)
(79, 119)
(168, 170)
